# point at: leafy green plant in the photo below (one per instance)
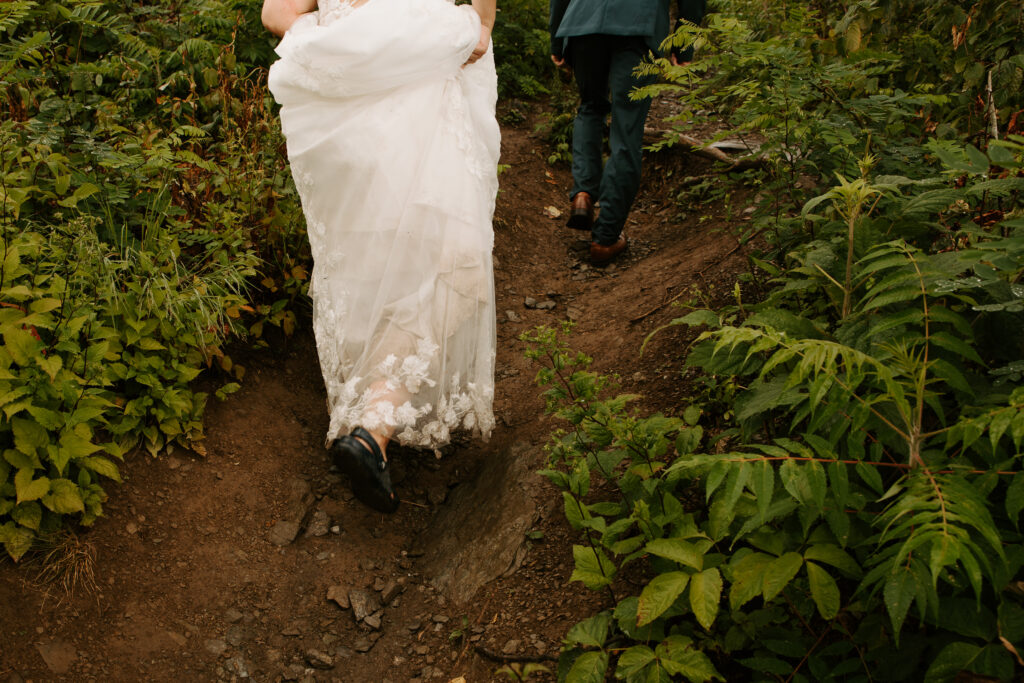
(143, 203)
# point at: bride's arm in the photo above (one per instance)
(487, 10)
(279, 15)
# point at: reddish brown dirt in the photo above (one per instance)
(190, 588)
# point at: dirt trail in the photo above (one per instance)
(191, 583)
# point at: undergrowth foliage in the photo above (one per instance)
(842, 498)
(146, 218)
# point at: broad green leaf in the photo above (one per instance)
(593, 567)
(19, 460)
(762, 484)
(679, 658)
(589, 667)
(1015, 498)
(835, 556)
(705, 596)
(1011, 620)
(64, 497)
(660, 594)
(779, 573)
(101, 466)
(574, 511)
(28, 435)
(953, 659)
(22, 346)
(748, 578)
(690, 554)
(591, 632)
(824, 591)
(899, 592)
(28, 488)
(17, 540)
(633, 661)
(28, 515)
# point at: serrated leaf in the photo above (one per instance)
(953, 659)
(592, 567)
(762, 484)
(678, 550)
(632, 661)
(101, 466)
(28, 515)
(899, 593)
(591, 632)
(779, 573)
(705, 596)
(17, 540)
(589, 667)
(29, 436)
(64, 497)
(835, 556)
(660, 594)
(824, 591)
(679, 658)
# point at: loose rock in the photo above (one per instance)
(216, 646)
(319, 525)
(339, 595)
(390, 592)
(363, 645)
(283, 533)
(319, 660)
(363, 604)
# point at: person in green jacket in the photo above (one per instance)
(603, 41)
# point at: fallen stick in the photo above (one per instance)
(698, 147)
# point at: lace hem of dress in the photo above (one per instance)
(374, 408)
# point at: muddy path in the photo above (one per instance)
(255, 562)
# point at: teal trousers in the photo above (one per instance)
(603, 67)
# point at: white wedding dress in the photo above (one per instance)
(394, 147)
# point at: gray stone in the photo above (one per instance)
(530, 302)
(363, 604)
(363, 645)
(510, 647)
(440, 619)
(215, 646)
(342, 652)
(373, 621)
(573, 313)
(378, 584)
(513, 317)
(319, 525)
(546, 305)
(481, 533)
(283, 533)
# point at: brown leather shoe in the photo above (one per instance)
(601, 254)
(582, 215)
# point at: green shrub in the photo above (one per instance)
(143, 195)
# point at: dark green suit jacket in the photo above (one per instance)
(648, 19)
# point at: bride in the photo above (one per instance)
(387, 107)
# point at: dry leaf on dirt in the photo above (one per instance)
(552, 212)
